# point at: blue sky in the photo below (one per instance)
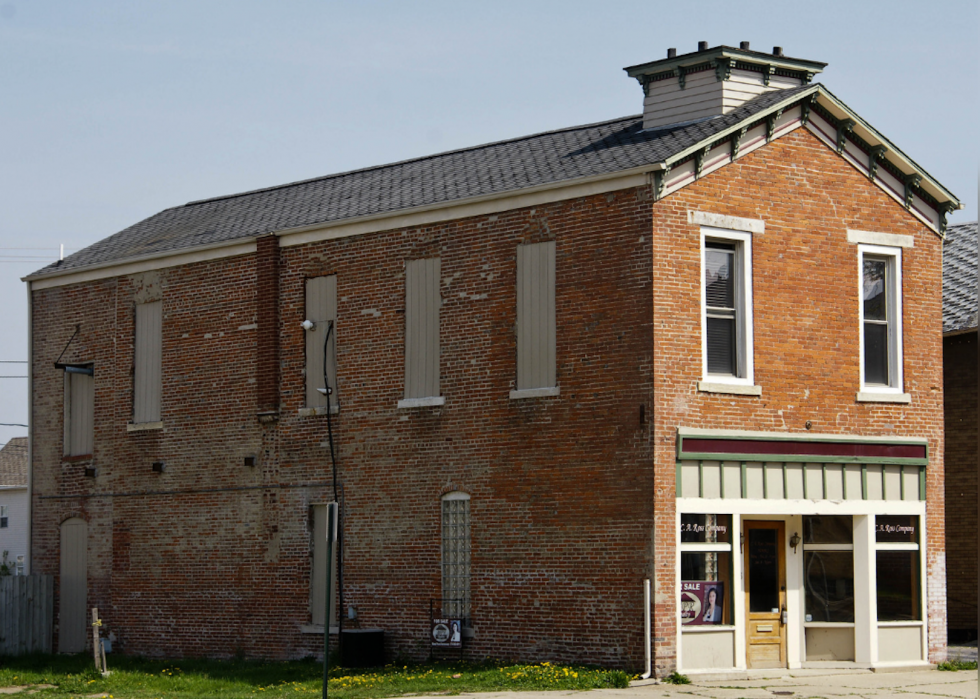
(111, 111)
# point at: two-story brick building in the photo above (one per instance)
(691, 352)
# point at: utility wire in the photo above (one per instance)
(11, 424)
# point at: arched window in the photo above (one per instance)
(456, 555)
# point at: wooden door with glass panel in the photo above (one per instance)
(765, 594)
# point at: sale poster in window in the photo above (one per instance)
(702, 602)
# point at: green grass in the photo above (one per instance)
(954, 665)
(141, 678)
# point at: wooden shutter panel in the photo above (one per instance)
(318, 574)
(81, 401)
(147, 379)
(321, 308)
(536, 315)
(422, 301)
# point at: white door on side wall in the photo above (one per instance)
(74, 585)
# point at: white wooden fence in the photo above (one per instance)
(26, 614)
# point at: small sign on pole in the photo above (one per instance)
(332, 521)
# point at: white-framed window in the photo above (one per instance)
(456, 555)
(880, 314)
(706, 570)
(3, 517)
(898, 568)
(828, 569)
(726, 307)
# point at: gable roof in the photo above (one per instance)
(960, 278)
(553, 158)
(13, 462)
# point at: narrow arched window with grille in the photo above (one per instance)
(456, 555)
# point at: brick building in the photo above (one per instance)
(960, 382)
(690, 352)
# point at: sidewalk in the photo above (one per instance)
(855, 684)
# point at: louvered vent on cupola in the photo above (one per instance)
(712, 82)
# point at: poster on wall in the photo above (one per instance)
(446, 633)
(702, 602)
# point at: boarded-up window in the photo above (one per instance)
(536, 315)
(321, 354)
(422, 328)
(147, 372)
(318, 576)
(79, 408)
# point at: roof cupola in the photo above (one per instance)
(713, 81)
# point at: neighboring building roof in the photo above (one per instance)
(13, 462)
(960, 278)
(495, 168)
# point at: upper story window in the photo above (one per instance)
(79, 410)
(3, 516)
(422, 301)
(321, 342)
(147, 358)
(726, 306)
(536, 324)
(880, 318)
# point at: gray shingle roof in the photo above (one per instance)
(960, 278)
(541, 159)
(13, 462)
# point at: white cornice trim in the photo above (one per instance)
(143, 264)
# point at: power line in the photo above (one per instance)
(13, 361)
(13, 377)
(11, 424)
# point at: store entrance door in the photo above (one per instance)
(765, 594)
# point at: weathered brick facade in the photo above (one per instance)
(960, 369)
(572, 496)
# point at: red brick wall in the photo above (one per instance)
(806, 330)
(960, 379)
(213, 558)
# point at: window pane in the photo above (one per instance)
(719, 280)
(456, 558)
(763, 582)
(706, 528)
(876, 353)
(721, 346)
(828, 529)
(897, 529)
(874, 289)
(699, 605)
(897, 578)
(829, 581)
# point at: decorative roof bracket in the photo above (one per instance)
(771, 123)
(806, 77)
(767, 72)
(877, 153)
(805, 108)
(681, 76)
(699, 158)
(946, 208)
(723, 68)
(844, 127)
(659, 181)
(644, 81)
(737, 140)
(911, 183)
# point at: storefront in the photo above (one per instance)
(800, 551)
